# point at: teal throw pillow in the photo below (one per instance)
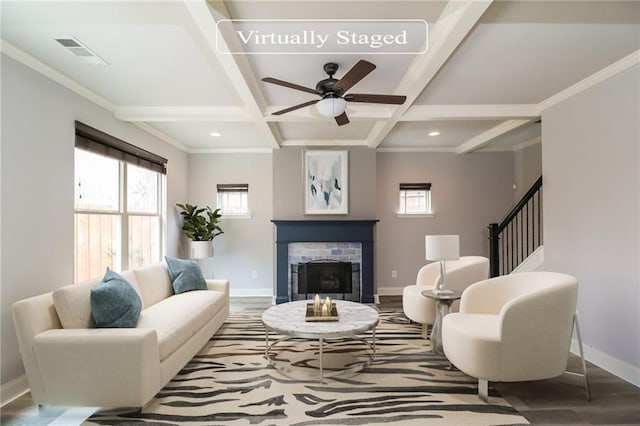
(185, 275)
(115, 303)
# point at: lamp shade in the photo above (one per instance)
(331, 107)
(442, 247)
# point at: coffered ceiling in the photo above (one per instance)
(489, 69)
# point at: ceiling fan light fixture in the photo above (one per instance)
(331, 107)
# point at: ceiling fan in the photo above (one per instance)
(333, 92)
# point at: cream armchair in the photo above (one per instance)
(459, 275)
(513, 328)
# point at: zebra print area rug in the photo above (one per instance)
(231, 383)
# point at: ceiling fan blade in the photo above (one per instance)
(375, 99)
(295, 107)
(342, 119)
(354, 75)
(290, 85)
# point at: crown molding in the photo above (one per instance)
(448, 149)
(479, 112)
(225, 113)
(157, 133)
(38, 66)
(592, 80)
(231, 151)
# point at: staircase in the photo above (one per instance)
(518, 236)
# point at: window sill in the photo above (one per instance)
(416, 215)
(237, 216)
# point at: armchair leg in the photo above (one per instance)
(483, 390)
(584, 364)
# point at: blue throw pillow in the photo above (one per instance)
(185, 275)
(115, 303)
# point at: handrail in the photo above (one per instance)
(521, 204)
(511, 241)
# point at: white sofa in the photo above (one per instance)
(69, 362)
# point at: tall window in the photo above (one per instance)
(119, 205)
(415, 198)
(233, 199)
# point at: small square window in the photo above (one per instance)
(233, 199)
(415, 198)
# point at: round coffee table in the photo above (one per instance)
(288, 319)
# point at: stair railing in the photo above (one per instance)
(518, 235)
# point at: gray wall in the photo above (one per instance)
(468, 192)
(288, 182)
(528, 168)
(247, 244)
(591, 164)
(37, 188)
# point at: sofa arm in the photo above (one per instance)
(99, 367)
(219, 285)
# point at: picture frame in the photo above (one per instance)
(326, 182)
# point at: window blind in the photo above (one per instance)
(96, 141)
(415, 186)
(233, 187)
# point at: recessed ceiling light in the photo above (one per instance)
(215, 134)
(434, 133)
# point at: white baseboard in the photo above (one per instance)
(534, 262)
(13, 389)
(389, 291)
(251, 292)
(615, 366)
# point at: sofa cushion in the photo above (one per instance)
(115, 303)
(185, 275)
(178, 318)
(154, 284)
(73, 303)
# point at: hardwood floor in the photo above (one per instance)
(559, 401)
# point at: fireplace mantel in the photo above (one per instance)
(323, 231)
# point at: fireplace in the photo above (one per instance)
(353, 238)
(334, 278)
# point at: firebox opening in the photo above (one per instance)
(324, 277)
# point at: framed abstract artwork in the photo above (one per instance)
(326, 186)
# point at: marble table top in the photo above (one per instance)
(289, 319)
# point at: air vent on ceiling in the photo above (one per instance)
(80, 50)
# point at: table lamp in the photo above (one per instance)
(442, 248)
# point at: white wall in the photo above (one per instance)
(468, 193)
(247, 244)
(527, 168)
(38, 137)
(591, 166)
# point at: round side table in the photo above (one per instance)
(443, 306)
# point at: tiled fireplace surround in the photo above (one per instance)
(328, 239)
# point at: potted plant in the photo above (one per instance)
(200, 225)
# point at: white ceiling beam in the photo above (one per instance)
(592, 80)
(456, 21)
(236, 67)
(486, 137)
(325, 142)
(355, 112)
(189, 113)
(468, 112)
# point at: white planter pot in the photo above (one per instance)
(200, 249)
